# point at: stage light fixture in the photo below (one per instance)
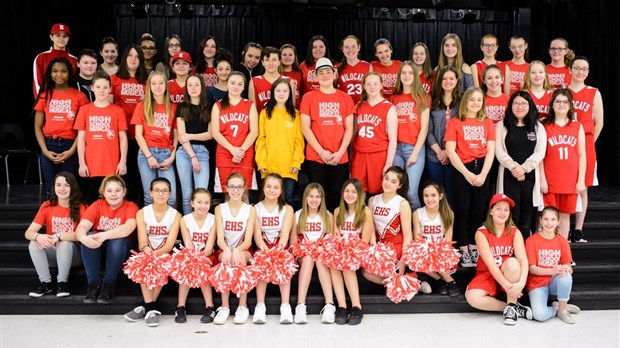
(469, 17)
(139, 11)
(418, 16)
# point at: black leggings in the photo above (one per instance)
(469, 204)
(520, 192)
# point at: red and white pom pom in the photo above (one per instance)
(303, 248)
(147, 269)
(238, 279)
(379, 259)
(447, 258)
(431, 256)
(400, 287)
(243, 281)
(275, 265)
(416, 255)
(191, 267)
(343, 253)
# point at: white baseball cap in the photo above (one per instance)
(323, 63)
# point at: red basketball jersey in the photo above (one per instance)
(262, 91)
(350, 79)
(558, 77)
(176, 92)
(583, 102)
(562, 157)
(235, 122)
(371, 127)
(500, 247)
(542, 103)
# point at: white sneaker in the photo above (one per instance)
(260, 314)
(328, 314)
(570, 308)
(241, 315)
(300, 314)
(286, 315)
(222, 315)
(425, 287)
(565, 316)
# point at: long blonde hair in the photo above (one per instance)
(359, 208)
(458, 60)
(527, 83)
(417, 92)
(303, 216)
(149, 99)
(462, 115)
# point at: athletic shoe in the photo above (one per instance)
(523, 311)
(179, 315)
(578, 236)
(91, 294)
(410, 295)
(425, 287)
(453, 289)
(565, 316)
(341, 315)
(356, 316)
(441, 287)
(241, 315)
(208, 315)
(63, 289)
(328, 314)
(44, 288)
(152, 318)
(473, 255)
(286, 315)
(107, 292)
(300, 314)
(260, 314)
(466, 259)
(510, 315)
(136, 314)
(571, 308)
(573, 264)
(222, 315)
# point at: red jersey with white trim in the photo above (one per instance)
(199, 234)
(517, 75)
(235, 127)
(350, 79)
(127, 94)
(235, 226)
(496, 107)
(159, 134)
(158, 231)
(583, 102)
(542, 103)
(347, 227)
(386, 217)
(262, 91)
(176, 92)
(209, 76)
(389, 74)
(427, 84)
(409, 117)
(432, 229)
(295, 80)
(562, 157)
(60, 112)
(56, 218)
(545, 253)
(270, 222)
(42, 60)
(501, 247)
(558, 77)
(471, 137)
(371, 123)
(104, 218)
(313, 230)
(309, 81)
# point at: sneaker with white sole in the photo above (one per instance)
(565, 316)
(260, 314)
(63, 289)
(44, 288)
(300, 314)
(466, 259)
(473, 255)
(523, 311)
(222, 315)
(208, 315)
(510, 315)
(578, 237)
(152, 318)
(328, 314)
(136, 314)
(241, 315)
(425, 287)
(286, 315)
(571, 308)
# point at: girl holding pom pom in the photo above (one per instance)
(198, 231)
(312, 221)
(158, 226)
(433, 222)
(352, 217)
(275, 220)
(234, 223)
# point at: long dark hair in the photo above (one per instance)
(403, 178)
(123, 72)
(275, 176)
(184, 110)
(48, 84)
(438, 92)
(201, 61)
(75, 197)
(571, 110)
(289, 105)
(530, 120)
(309, 57)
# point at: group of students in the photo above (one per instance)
(393, 114)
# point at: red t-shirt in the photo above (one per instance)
(517, 75)
(427, 84)
(41, 62)
(496, 107)
(176, 92)
(60, 112)
(471, 137)
(57, 219)
(327, 120)
(350, 79)
(409, 117)
(105, 218)
(558, 77)
(309, 80)
(542, 103)
(295, 80)
(583, 102)
(127, 94)
(561, 161)
(500, 247)
(262, 91)
(389, 74)
(545, 253)
(102, 145)
(209, 76)
(159, 134)
(372, 127)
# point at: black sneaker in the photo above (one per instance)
(91, 294)
(44, 288)
(208, 316)
(453, 289)
(107, 292)
(440, 287)
(341, 316)
(578, 237)
(523, 311)
(63, 289)
(179, 315)
(356, 316)
(510, 315)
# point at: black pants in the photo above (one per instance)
(520, 192)
(132, 178)
(469, 203)
(330, 177)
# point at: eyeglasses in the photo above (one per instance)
(561, 102)
(578, 69)
(489, 45)
(148, 48)
(159, 191)
(557, 49)
(174, 45)
(235, 188)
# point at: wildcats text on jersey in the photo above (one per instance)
(234, 117)
(562, 139)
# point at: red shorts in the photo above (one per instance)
(222, 174)
(591, 178)
(485, 281)
(566, 203)
(398, 248)
(367, 167)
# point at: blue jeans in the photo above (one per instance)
(50, 169)
(560, 286)
(442, 174)
(289, 191)
(190, 179)
(116, 252)
(414, 172)
(147, 175)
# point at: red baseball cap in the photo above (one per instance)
(60, 27)
(182, 55)
(501, 197)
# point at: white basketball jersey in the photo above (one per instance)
(313, 230)
(157, 231)
(270, 222)
(199, 234)
(386, 216)
(347, 226)
(432, 229)
(234, 226)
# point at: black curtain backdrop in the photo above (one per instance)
(587, 25)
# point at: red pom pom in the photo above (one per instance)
(238, 279)
(191, 267)
(343, 253)
(147, 269)
(431, 256)
(379, 259)
(275, 265)
(303, 248)
(400, 287)
(244, 281)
